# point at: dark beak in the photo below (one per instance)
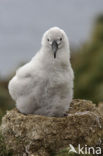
(54, 48)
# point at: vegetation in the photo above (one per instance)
(88, 66)
(3, 150)
(6, 102)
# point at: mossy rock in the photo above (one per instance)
(3, 150)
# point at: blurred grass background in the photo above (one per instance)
(87, 62)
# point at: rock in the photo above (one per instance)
(36, 135)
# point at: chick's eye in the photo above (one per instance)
(60, 39)
(48, 39)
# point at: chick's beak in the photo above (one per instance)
(54, 47)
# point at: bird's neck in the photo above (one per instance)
(62, 59)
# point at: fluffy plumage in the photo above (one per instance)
(44, 86)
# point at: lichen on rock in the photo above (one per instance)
(36, 135)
